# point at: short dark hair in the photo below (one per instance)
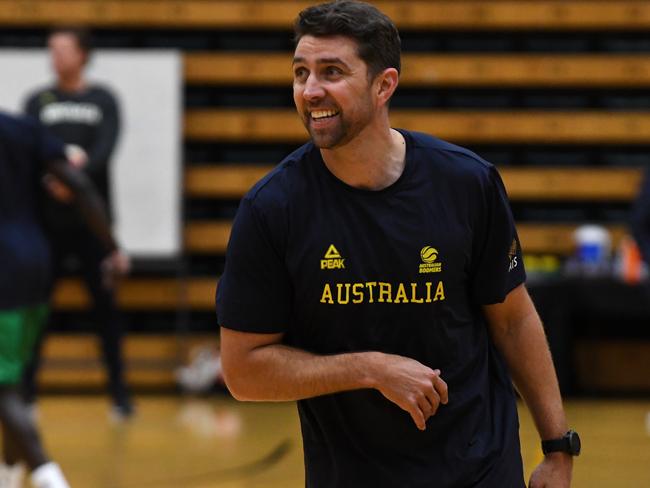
(375, 33)
(81, 35)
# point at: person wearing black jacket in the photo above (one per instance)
(85, 116)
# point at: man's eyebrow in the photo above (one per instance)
(334, 60)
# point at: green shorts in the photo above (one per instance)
(19, 330)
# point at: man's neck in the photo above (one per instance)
(374, 160)
(72, 83)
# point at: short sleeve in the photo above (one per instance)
(254, 293)
(497, 264)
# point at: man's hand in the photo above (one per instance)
(77, 158)
(115, 266)
(553, 472)
(412, 386)
(57, 189)
(76, 155)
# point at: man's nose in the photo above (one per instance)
(313, 88)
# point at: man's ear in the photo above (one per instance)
(385, 85)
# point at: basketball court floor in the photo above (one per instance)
(220, 443)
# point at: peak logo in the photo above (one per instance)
(332, 259)
(429, 255)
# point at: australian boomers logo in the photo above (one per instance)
(332, 259)
(428, 255)
(512, 255)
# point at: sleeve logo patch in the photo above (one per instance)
(512, 255)
(429, 255)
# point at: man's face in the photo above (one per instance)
(331, 90)
(66, 55)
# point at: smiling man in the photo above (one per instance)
(376, 277)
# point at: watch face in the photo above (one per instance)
(574, 442)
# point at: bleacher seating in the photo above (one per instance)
(553, 92)
(277, 14)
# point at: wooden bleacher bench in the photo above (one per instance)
(457, 70)
(73, 361)
(502, 126)
(144, 294)
(279, 14)
(223, 180)
(232, 181)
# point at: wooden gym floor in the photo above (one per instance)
(220, 443)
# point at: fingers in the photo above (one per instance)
(125, 264)
(426, 403)
(426, 407)
(417, 416)
(441, 388)
(432, 400)
(76, 155)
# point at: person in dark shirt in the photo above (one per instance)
(84, 116)
(376, 277)
(641, 218)
(26, 153)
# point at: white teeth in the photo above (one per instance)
(320, 114)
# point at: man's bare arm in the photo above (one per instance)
(259, 367)
(519, 335)
(87, 199)
(92, 208)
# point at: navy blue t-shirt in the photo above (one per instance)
(25, 148)
(403, 270)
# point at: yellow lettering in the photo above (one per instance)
(401, 294)
(385, 292)
(357, 291)
(327, 294)
(414, 292)
(339, 286)
(347, 293)
(440, 292)
(371, 285)
(332, 263)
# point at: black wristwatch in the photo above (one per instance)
(569, 443)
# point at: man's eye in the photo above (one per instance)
(332, 71)
(299, 73)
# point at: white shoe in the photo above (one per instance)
(48, 475)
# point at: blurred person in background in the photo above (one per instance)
(641, 218)
(29, 155)
(85, 116)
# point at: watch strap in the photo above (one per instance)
(569, 443)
